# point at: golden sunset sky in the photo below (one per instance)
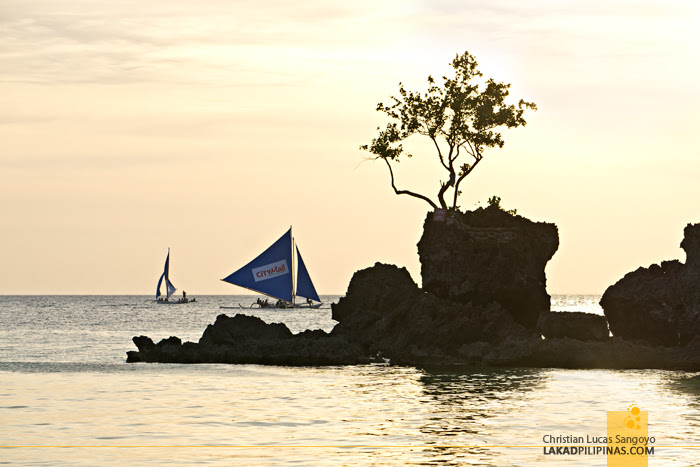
(212, 126)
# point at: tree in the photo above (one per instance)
(458, 117)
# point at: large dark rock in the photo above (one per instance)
(573, 325)
(486, 256)
(373, 293)
(226, 331)
(660, 304)
(386, 313)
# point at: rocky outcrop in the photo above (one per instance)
(386, 313)
(242, 328)
(415, 327)
(573, 325)
(483, 302)
(691, 245)
(659, 305)
(611, 353)
(487, 256)
(249, 340)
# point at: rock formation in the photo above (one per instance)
(386, 313)
(573, 325)
(483, 302)
(487, 256)
(659, 305)
(247, 339)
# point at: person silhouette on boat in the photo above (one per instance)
(309, 301)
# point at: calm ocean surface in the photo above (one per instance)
(67, 398)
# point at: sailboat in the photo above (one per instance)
(279, 273)
(169, 287)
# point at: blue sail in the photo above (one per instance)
(166, 270)
(169, 287)
(305, 288)
(160, 281)
(270, 273)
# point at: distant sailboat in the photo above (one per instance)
(278, 273)
(169, 287)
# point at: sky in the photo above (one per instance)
(210, 127)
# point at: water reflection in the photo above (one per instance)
(688, 420)
(472, 396)
(464, 404)
(687, 384)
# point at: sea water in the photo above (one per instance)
(68, 398)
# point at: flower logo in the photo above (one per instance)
(633, 418)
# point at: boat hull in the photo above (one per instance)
(163, 302)
(273, 307)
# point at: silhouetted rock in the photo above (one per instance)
(573, 353)
(691, 245)
(573, 325)
(226, 331)
(372, 293)
(247, 339)
(486, 256)
(143, 342)
(659, 304)
(386, 313)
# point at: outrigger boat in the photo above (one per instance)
(280, 274)
(259, 303)
(169, 288)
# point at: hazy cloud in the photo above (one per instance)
(72, 41)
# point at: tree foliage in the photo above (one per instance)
(495, 201)
(460, 118)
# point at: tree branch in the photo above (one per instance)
(451, 181)
(453, 159)
(462, 177)
(473, 152)
(406, 192)
(442, 159)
